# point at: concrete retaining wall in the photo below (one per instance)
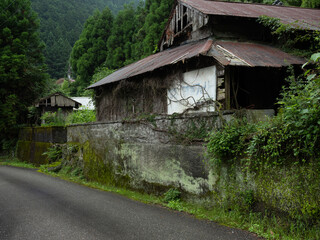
(148, 153)
(33, 142)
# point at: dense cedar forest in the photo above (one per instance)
(61, 23)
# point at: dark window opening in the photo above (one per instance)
(185, 17)
(256, 88)
(185, 20)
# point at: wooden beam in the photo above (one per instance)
(227, 84)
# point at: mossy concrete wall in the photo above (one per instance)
(34, 141)
(151, 154)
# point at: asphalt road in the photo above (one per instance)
(35, 206)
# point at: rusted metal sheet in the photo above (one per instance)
(298, 17)
(252, 55)
(225, 52)
(158, 60)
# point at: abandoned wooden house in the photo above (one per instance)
(57, 101)
(213, 55)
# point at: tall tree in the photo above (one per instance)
(134, 34)
(120, 42)
(22, 70)
(158, 13)
(90, 51)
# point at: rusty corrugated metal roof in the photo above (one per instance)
(253, 55)
(298, 17)
(158, 60)
(226, 53)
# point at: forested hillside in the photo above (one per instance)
(61, 23)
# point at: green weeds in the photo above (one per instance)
(9, 161)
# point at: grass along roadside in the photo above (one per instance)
(264, 225)
(9, 161)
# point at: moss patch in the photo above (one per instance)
(32, 152)
(94, 167)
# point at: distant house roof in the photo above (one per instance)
(57, 100)
(304, 18)
(86, 102)
(226, 53)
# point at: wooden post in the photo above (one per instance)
(227, 84)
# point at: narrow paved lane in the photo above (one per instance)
(35, 206)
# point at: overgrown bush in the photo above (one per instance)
(172, 195)
(53, 118)
(295, 133)
(228, 143)
(83, 115)
(54, 153)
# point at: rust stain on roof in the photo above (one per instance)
(225, 52)
(254, 55)
(158, 60)
(298, 17)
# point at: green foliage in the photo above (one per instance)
(10, 161)
(100, 73)
(292, 38)
(90, 51)
(119, 44)
(132, 34)
(172, 195)
(54, 153)
(286, 145)
(22, 72)
(61, 25)
(230, 142)
(157, 13)
(175, 205)
(310, 3)
(53, 118)
(82, 115)
(294, 133)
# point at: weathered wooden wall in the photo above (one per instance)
(129, 99)
(185, 24)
